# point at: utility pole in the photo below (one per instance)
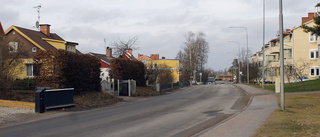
(247, 57)
(263, 42)
(282, 98)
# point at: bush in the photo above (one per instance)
(63, 69)
(24, 84)
(122, 69)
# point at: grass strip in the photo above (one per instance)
(301, 118)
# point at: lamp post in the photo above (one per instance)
(263, 42)
(281, 56)
(239, 78)
(247, 52)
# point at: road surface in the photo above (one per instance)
(182, 113)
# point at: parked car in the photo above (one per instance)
(304, 78)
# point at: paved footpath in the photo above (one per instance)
(246, 123)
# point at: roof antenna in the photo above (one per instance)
(38, 10)
(317, 9)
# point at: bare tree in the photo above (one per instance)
(121, 46)
(194, 54)
(290, 72)
(160, 73)
(300, 68)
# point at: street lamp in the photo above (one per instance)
(263, 43)
(247, 52)
(239, 79)
(281, 57)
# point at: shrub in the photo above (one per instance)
(122, 69)
(24, 84)
(63, 69)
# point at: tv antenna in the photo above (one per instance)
(38, 10)
(316, 8)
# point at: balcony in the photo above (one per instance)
(275, 49)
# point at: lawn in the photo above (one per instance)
(311, 85)
(301, 118)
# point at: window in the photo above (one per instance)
(29, 70)
(314, 71)
(71, 48)
(313, 53)
(155, 65)
(312, 37)
(34, 49)
(271, 57)
(13, 46)
(287, 53)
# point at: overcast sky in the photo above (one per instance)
(161, 25)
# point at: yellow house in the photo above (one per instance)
(171, 64)
(305, 50)
(300, 48)
(30, 42)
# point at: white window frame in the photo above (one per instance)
(71, 48)
(312, 38)
(286, 55)
(13, 46)
(316, 71)
(32, 75)
(315, 54)
(34, 49)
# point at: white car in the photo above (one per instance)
(304, 78)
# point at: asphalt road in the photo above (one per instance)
(182, 113)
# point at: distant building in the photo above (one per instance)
(172, 64)
(105, 63)
(144, 58)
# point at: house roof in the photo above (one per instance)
(102, 57)
(38, 38)
(144, 56)
(1, 31)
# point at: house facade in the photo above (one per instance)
(172, 64)
(300, 51)
(30, 42)
(305, 51)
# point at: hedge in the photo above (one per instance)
(64, 69)
(122, 69)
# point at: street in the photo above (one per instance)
(183, 113)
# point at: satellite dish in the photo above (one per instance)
(37, 24)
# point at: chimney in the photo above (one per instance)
(45, 29)
(130, 51)
(2, 34)
(288, 30)
(306, 19)
(154, 56)
(109, 52)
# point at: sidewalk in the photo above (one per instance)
(245, 124)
